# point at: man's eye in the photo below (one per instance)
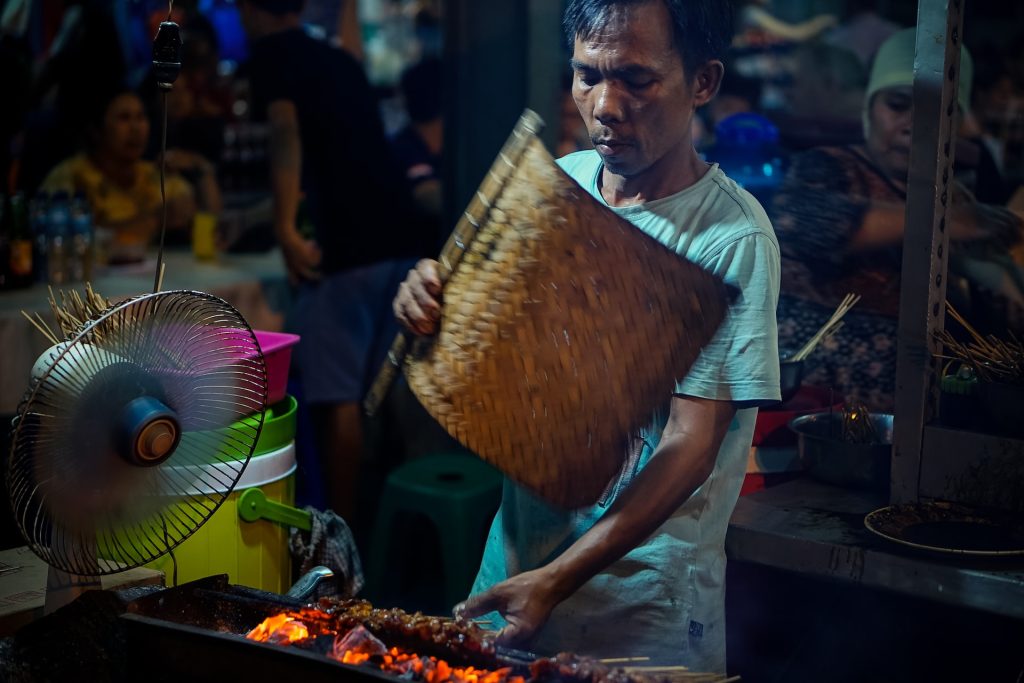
(588, 78)
(640, 84)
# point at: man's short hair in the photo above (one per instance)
(279, 8)
(702, 28)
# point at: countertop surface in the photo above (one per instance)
(818, 530)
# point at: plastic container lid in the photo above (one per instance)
(261, 470)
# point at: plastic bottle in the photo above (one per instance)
(58, 229)
(82, 238)
(20, 255)
(40, 238)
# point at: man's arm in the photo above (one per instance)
(302, 256)
(682, 462)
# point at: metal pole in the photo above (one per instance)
(925, 240)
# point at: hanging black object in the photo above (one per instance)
(167, 54)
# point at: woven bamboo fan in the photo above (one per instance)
(563, 328)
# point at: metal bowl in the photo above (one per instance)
(828, 458)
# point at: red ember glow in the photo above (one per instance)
(359, 647)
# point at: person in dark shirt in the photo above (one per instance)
(327, 144)
(418, 145)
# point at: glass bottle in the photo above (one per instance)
(20, 255)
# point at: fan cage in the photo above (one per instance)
(84, 509)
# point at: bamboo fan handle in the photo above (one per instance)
(527, 128)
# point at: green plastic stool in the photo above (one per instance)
(459, 494)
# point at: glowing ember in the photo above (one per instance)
(280, 630)
(359, 647)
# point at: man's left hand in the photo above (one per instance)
(525, 601)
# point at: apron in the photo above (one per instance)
(665, 599)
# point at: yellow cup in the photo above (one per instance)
(204, 236)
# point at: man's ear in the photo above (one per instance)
(706, 82)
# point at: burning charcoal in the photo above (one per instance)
(358, 641)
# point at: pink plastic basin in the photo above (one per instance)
(277, 351)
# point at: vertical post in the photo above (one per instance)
(485, 76)
(546, 65)
(925, 240)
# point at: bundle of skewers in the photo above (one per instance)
(833, 325)
(71, 312)
(992, 359)
(857, 425)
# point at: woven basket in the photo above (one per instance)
(563, 329)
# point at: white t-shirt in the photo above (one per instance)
(665, 599)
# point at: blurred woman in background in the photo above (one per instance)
(122, 189)
(839, 217)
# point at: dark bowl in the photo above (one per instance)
(791, 374)
(828, 458)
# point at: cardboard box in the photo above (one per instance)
(23, 586)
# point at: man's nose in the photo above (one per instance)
(609, 107)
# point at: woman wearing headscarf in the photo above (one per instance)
(839, 217)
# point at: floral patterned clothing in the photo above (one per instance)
(816, 213)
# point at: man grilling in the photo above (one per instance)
(642, 573)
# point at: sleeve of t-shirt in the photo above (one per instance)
(741, 363)
(270, 82)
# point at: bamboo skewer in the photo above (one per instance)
(71, 313)
(46, 333)
(619, 660)
(829, 328)
(990, 357)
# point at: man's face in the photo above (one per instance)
(631, 89)
(889, 130)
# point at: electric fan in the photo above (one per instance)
(133, 431)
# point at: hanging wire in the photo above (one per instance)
(159, 276)
(157, 280)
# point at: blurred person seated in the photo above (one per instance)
(419, 144)
(839, 216)
(991, 98)
(199, 105)
(123, 189)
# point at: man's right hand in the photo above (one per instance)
(301, 257)
(417, 305)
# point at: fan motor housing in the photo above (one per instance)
(149, 432)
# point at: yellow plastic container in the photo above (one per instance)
(251, 553)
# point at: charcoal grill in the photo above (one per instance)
(196, 632)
